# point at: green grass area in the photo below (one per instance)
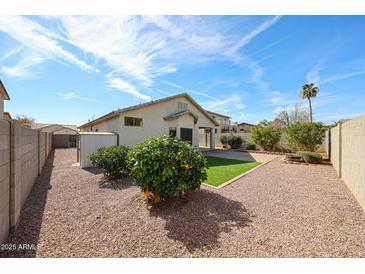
(221, 170)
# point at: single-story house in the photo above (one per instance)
(3, 96)
(177, 116)
(64, 136)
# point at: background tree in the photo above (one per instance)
(287, 117)
(25, 120)
(309, 91)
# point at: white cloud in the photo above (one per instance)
(249, 36)
(12, 52)
(126, 87)
(313, 76)
(189, 90)
(226, 105)
(72, 95)
(342, 76)
(38, 39)
(24, 69)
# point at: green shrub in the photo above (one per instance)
(224, 140)
(167, 166)
(111, 160)
(235, 141)
(266, 136)
(305, 136)
(310, 157)
(250, 145)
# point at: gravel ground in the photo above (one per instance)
(280, 210)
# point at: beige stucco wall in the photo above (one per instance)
(153, 122)
(348, 155)
(4, 178)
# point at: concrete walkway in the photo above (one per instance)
(239, 155)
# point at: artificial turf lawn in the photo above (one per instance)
(221, 170)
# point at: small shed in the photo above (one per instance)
(89, 142)
(64, 136)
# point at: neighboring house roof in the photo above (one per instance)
(181, 113)
(218, 114)
(3, 93)
(119, 111)
(7, 115)
(244, 124)
(44, 126)
(53, 128)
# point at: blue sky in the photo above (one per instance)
(70, 69)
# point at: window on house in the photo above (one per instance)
(133, 121)
(215, 131)
(172, 131)
(181, 105)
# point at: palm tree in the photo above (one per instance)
(309, 91)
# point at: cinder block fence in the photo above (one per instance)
(347, 154)
(23, 152)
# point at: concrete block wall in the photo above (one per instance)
(335, 148)
(23, 152)
(4, 178)
(348, 155)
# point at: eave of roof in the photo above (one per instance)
(181, 113)
(245, 124)
(216, 113)
(4, 94)
(117, 112)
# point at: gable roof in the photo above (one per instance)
(55, 128)
(181, 113)
(218, 114)
(3, 93)
(44, 126)
(119, 111)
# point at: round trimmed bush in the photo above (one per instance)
(224, 140)
(310, 157)
(235, 141)
(111, 160)
(167, 166)
(250, 145)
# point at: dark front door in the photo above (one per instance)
(187, 135)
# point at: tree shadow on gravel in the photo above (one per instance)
(117, 184)
(198, 221)
(30, 221)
